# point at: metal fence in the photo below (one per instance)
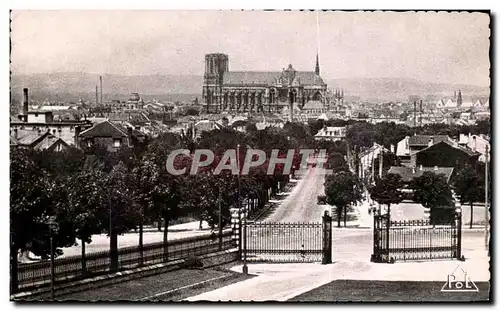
(415, 240)
(70, 268)
(289, 242)
(284, 242)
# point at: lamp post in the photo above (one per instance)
(220, 220)
(245, 267)
(52, 228)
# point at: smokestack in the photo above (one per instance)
(25, 104)
(420, 113)
(96, 96)
(100, 83)
(291, 107)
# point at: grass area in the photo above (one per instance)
(145, 287)
(231, 279)
(403, 291)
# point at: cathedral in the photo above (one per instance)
(258, 91)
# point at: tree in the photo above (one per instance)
(121, 213)
(433, 192)
(342, 189)
(250, 127)
(387, 191)
(361, 134)
(34, 197)
(86, 206)
(469, 187)
(336, 162)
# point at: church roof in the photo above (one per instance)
(250, 77)
(268, 77)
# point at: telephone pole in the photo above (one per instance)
(486, 218)
(100, 82)
(381, 162)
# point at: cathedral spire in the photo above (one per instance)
(317, 65)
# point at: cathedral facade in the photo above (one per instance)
(258, 91)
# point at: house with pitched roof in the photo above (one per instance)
(110, 134)
(445, 154)
(410, 145)
(477, 143)
(331, 133)
(450, 104)
(36, 139)
(440, 104)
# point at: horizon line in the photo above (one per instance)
(201, 75)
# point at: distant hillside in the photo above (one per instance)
(75, 85)
(390, 89)
(71, 86)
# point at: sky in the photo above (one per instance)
(428, 46)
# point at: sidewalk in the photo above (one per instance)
(100, 242)
(281, 282)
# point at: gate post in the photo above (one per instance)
(375, 257)
(459, 237)
(388, 234)
(327, 239)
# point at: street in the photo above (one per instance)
(301, 204)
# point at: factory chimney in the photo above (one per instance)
(100, 83)
(25, 104)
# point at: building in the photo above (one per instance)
(254, 91)
(408, 173)
(367, 158)
(445, 154)
(410, 145)
(43, 121)
(331, 133)
(450, 104)
(477, 143)
(36, 139)
(111, 135)
(482, 115)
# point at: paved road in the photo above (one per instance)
(351, 262)
(301, 204)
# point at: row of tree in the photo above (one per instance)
(362, 134)
(94, 190)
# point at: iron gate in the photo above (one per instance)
(289, 242)
(415, 239)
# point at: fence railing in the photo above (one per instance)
(70, 268)
(415, 240)
(285, 242)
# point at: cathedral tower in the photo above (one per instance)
(215, 66)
